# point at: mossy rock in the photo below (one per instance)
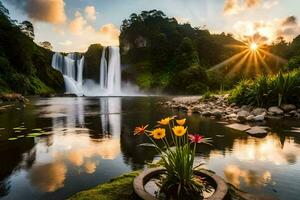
(120, 188)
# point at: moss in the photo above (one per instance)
(120, 188)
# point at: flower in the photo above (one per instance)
(165, 121)
(196, 138)
(139, 130)
(181, 122)
(179, 130)
(158, 133)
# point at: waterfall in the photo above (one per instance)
(72, 65)
(103, 70)
(114, 71)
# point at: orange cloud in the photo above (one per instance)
(90, 12)
(77, 24)
(236, 6)
(51, 11)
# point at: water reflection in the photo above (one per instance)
(234, 175)
(48, 177)
(271, 149)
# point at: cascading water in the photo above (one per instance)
(72, 67)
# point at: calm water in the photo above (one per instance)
(89, 140)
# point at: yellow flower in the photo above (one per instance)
(181, 122)
(158, 133)
(179, 130)
(165, 121)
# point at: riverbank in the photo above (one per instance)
(243, 118)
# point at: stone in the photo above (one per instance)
(246, 108)
(250, 118)
(217, 113)
(197, 108)
(288, 107)
(242, 115)
(259, 111)
(257, 131)
(276, 110)
(239, 127)
(259, 118)
(206, 113)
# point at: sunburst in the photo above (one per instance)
(251, 59)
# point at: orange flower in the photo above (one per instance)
(165, 121)
(139, 130)
(181, 122)
(158, 133)
(179, 130)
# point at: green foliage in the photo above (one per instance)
(169, 49)
(24, 66)
(293, 63)
(268, 90)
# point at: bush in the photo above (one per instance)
(268, 90)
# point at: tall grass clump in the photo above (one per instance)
(268, 90)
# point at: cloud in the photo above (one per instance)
(66, 43)
(291, 20)
(267, 31)
(90, 12)
(182, 20)
(50, 11)
(77, 24)
(236, 6)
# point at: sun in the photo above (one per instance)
(253, 46)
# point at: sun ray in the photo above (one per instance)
(264, 62)
(239, 64)
(281, 60)
(231, 59)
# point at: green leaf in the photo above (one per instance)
(12, 139)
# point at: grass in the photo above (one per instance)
(119, 188)
(268, 90)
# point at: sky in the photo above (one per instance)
(72, 25)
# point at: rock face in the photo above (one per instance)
(276, 110)
(288, 107)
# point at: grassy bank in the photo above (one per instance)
(264, 91)
(119, 188)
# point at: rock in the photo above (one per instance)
(276, 110)
(258, 111)
(246, 108)
(197, 108)
(206, 113)
(242, 115)
(288, 107)
(259, 118)
(217, 113)
(186, 100)
(233, 115)
(250, 118)
(257, 131)
(239, 127)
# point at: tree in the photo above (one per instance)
(46, 45)
(27, 28)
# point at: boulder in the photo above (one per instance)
(245, 108)
(217, 113)
(206, 113)
(288, 107)
(197, 108)
(257, 131)
(242, 115)
(276, 110)
(259, 111)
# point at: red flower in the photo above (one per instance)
(196, 138)
(140, 130)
